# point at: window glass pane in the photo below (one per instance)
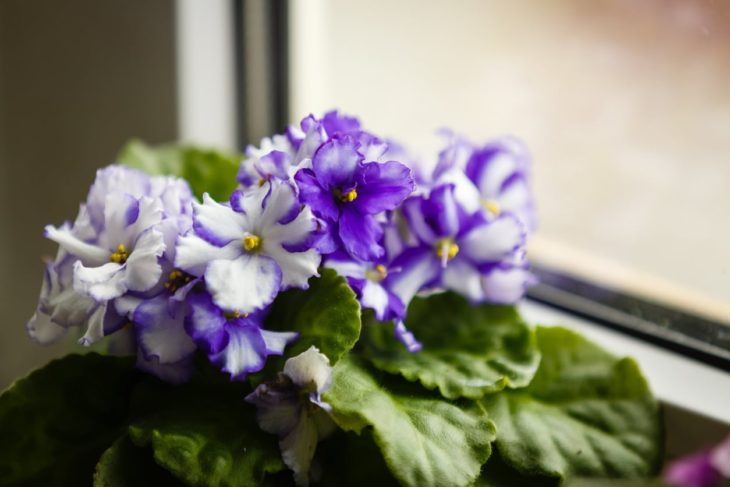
(624, 105)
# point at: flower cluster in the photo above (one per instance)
(174, 275)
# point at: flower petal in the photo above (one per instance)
(161, 335)
(507, 286)
(193, 254)
(360, 234)
(276, 341)
(95, 327)
(417, 268)
(206, 323)
(375, 297)
(298, 447)
(245, 284)
(310, 370)
(244, 354)
(280, 206)
(217, 223)
(143, 270)
(463, 278)
(174, 373)
(88, 253)
(382, 187)
(43, 330)
(101, 283)
(492, 241)
(335, 163)
(317, 198)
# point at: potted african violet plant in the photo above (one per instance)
(324, 312)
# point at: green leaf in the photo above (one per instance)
(586, 413)
(125, 465)
(55, 423)
(327, 315)
(496, 473)
(424, 440)
(468, 350)
(206, 170)
(204, 434)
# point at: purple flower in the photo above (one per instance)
(367, 280)
(233, 341)
(703, 469)
(455, 250)
(348, 194)
(252, 248)
(291, 407)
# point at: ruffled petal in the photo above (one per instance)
(320, 200)
(174, 373)
(244, 354)
(86, 252)
(280, 206)
(206, 323)
(345, 265)
(43, 330)
(245, 284)
(193, 254)
(335, 163)
(143, 270)
(298, 447)
(492, 241)
(162, 335)
(507, 286)
(382, 187)
(375, 297)
(414, 269)
(276, 341)
(463, 278)
(216, 223)
(360, 234)
(101, 283)
(95, 327)
(310, 370)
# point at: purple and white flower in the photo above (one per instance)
(252, 248)
(291, 407)
(495, 177)
(456, 250)
(349, 194)
(233, 341)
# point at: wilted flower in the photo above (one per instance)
(291, 407)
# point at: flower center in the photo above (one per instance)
(377, 274)
(120, 256)
(492, 206)
(446, 249)
(251, 243)
(176, 280)
(234, 315)
(348, 197)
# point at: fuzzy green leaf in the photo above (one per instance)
(125, 465)
(327, 315)
(55, 423)
(586, 413)
(206, 170)
(204, 434)
(468, 350)
(425, 440)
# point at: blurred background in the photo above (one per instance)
(623, 103)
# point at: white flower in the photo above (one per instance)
(251, 249)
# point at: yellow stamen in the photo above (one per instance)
(251, 243)
(120, 256)
(446, 250)
(234, 315)
(176, 280)
(262, 181)
(349, 197)
(379, 273)
(492, 206)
